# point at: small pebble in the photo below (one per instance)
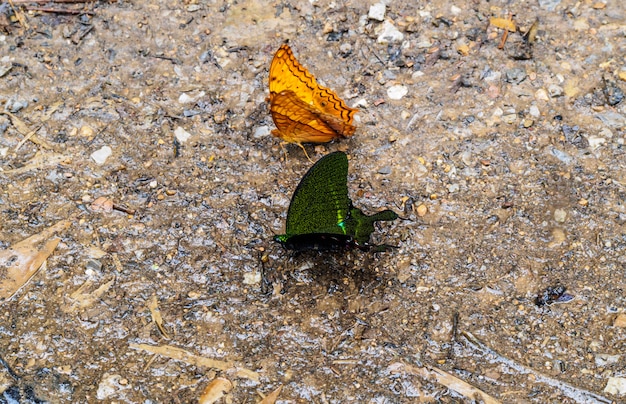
(510, 118)
(606, 133)
(534, 111)
(388, 33)
(184, 98)
(377, 12)
(5, 68)
(560, 215)
(595, 141)
(15, 106)
(261, 131)
(616, 385)
(109, 386)
(385, 170)
(101, 155)
(181, 134)
(422, 210)
(515, 75)
(549, 5)
(541, 95)
(555, 91)
(613, 119)
(606, 359)
(397, 92)
(581, 24)
(561, 155)
(252, 278)
(86, 131)
(558, 237)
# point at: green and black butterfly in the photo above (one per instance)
(321, 215)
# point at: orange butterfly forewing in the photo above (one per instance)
(302, 110)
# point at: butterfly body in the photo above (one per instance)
(302, 110)
(316, 241)
(321, 215)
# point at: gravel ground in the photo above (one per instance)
(506, 164)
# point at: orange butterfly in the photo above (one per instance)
(302, 110)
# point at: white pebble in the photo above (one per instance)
(252, 278)
(606, 132)
(455, 10)
(541, 95)
(595, 141)
(534, 111)
(101, 155)
(397, 92)
(510, 118)
(560, 215)
(181, 134)
(387, 33)
(261, 131)
(184, 98)
(361, 103)
(377, 12)
(109, 386)
(616, 385)
(555, 91)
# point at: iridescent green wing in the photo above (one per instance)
(320, 203)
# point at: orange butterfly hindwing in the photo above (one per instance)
(304, 111)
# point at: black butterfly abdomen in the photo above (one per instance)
(319, 242)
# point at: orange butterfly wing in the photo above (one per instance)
(297, 122)
(302, 110)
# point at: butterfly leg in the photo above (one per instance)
(282, 146)
(305, 153)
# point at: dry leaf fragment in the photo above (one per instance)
(17, 122)
(620, 321)
(503, 23)
(81, 298)
(452, 382)
(272, 397)
(102, 204)
(19, 263)
(463, 50)
(215, 390)
(155, 313)
(188, 357)
(40, 160)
